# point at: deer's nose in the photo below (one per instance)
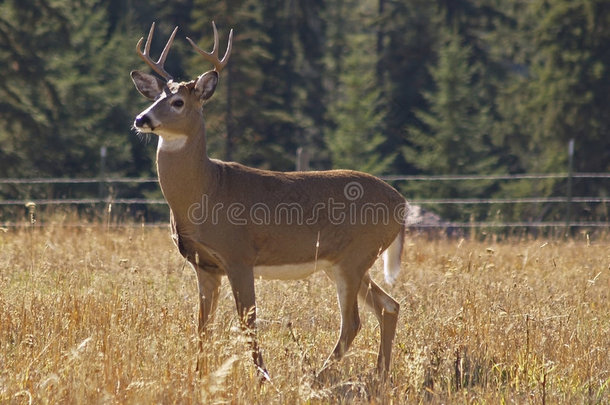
(143, 121)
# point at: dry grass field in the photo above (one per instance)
(94, 315)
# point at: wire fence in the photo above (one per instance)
(106, 199)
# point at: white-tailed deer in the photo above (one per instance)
(245, 223)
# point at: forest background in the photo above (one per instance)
(387, 87)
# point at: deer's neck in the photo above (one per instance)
(185, 171)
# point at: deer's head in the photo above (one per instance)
(176, 111)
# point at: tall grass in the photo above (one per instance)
(108, 315)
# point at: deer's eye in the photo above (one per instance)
(177, 103)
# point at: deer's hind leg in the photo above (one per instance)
(348, 285)
(386, 310)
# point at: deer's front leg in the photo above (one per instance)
(209, 290)
(242, 283)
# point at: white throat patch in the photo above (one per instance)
(171, 144)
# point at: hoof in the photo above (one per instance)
(263, 375)
(329, 374)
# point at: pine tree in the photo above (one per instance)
(293, 95)
(571, 81)
(559, 90)
(57, 111)
(454, 137)
(407, 33)
(355, 138)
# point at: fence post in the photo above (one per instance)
(102, 184)
(569, 190)
(302, 160)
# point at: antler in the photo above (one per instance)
(158, 65)
(213, 56)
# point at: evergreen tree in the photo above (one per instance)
(293, 95)
(571, 82)
(559, 91)
(455, 134)
(355, 137)
(407, 34)
(64, 89)
(245, 116)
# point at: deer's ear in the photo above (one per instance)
(206, 84)
(148, 85)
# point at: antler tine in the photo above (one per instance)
(215, 48)
(158, 65)
(212, 57)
